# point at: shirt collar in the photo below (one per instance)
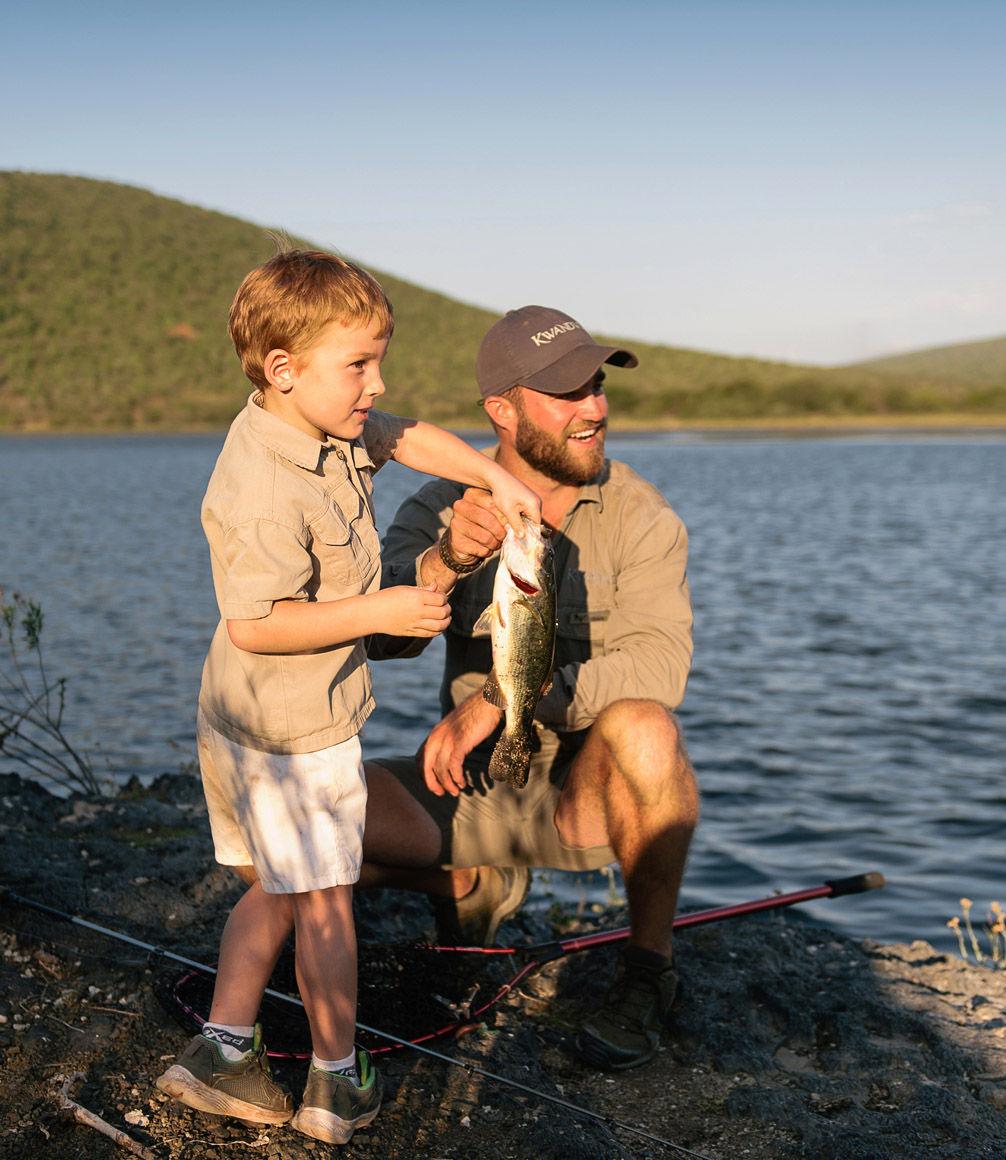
(295, 445)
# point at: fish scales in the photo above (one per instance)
(521, 622)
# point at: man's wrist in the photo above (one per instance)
(451, 561)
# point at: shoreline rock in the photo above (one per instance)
(789, 1040)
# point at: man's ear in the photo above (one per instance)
(279, 369)
(502, 413)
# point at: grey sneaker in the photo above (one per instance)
(334, 1107)
(626, 1030)
(473, 921)
(204, 1079)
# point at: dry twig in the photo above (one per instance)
(83, 1116)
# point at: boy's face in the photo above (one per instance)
(330, 389)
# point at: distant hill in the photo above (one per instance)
(113, 307)
(977, 364)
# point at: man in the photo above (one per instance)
(610, 779)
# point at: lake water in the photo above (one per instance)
(847, 704)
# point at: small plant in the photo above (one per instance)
(31, 703)
(995, 930)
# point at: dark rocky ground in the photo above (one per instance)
(789, 1040)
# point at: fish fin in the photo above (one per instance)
(532, 607)
(485, 622)
(492, 692)
(490, 616)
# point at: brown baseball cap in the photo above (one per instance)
(543, 349)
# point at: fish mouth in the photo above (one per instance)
(523, 585)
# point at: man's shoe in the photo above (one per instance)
(334, 1107)
(473, 921)
(626, 1030)
(204, 1079)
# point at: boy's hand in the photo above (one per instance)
(514, 500)
(413, 611)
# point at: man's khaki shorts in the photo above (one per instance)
(493, 824)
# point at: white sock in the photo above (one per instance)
(346, 1067)
(234, 1042)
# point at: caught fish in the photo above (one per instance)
(521, 623)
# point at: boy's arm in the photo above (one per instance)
(434, 451)
(299, 626)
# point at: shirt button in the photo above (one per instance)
(341, 454)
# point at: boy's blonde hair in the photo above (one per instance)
(287, 303)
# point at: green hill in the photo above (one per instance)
(113, 307)
(971, 364)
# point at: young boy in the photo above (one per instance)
(289, 518)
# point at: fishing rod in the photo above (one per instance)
(537, 954)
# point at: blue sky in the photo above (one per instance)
(802, 181)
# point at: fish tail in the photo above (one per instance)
(511, 759)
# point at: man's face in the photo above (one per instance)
(562, 436)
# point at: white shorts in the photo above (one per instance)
(296, 817)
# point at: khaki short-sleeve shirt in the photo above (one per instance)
(288, 517)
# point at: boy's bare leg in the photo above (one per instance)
(252, 940)
(326, 967)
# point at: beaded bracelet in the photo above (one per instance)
(455, 565)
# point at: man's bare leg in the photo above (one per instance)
(633, 787)
(401, 842)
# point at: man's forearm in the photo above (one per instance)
(431, 568)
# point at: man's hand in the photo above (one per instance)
(477, 528)
(441, 756)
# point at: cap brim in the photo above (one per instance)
(577, 368)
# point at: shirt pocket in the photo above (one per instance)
(584, 608)
(343, 560)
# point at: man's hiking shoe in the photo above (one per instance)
(473, 921)
(205, 1080)
(334, 1107)
(626, 1030)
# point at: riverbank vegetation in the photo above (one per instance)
(113, 306)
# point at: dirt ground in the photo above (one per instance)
(788, 1040)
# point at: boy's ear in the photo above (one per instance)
(278, 369)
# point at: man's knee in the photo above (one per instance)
(642, 727)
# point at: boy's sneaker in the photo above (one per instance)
(626, 1030)
(334, 1107)
(205, 1080)
(473, 921)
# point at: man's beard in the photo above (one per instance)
(551, 456)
